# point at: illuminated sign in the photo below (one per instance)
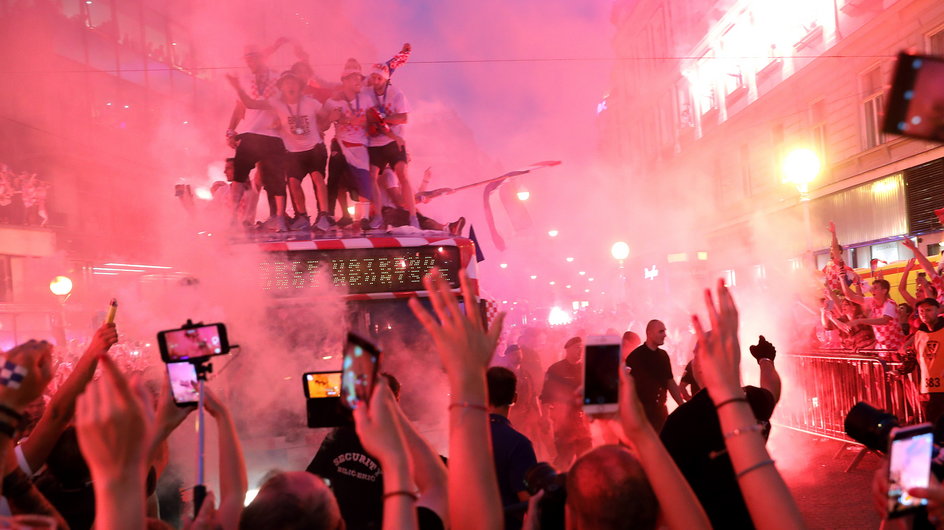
(650, 274)
(363, 270)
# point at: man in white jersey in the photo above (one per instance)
(260, 141)
(385, 127)
(350, 163)
(301, 125)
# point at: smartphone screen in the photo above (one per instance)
(183, 383)
(322, 385)
(909, 467)
(193, 343)
(358, 371)
(601, 376)
(916, 102)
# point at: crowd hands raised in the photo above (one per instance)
(121, 432)
(22, 198)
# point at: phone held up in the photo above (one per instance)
(916, 101)
(183, 383)
(601, 374)
(909, 466)
(193, 343)
(323, 400)
(358, 371)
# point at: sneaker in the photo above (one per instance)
(455, 227)
(345, 221)
(324, 222)
(268, 224)
(377, 222)
(414, 221)
(280, 224)
(301, 223)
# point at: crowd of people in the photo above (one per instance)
(284, 120)
(22, 198)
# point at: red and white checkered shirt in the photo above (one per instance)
(887, 336)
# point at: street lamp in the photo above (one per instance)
(619, 250)
(800, 168)
(60, 286)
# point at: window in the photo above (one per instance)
(935, 42)
(704, 84)
(686, 117)
(818, 128)
(873, 103)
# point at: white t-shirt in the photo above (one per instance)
(299, 123)
(260, 121)
(350, 108)
(392, 101)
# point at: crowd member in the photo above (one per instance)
(766, 495)
(385, 125)
(853, 334)
(526, 414)
(692, 435)
(930, 360)
(653, 373)
(349, 162)
(394, 215)
(512, 451)
(302, 123)
(568, 422)
(22, 198)
(260, 142)
(934, 282)
(836, 272)
(881, 313)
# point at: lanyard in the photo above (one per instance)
(296, 117)
(350, 107)
(381, 104)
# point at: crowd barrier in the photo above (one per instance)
(819, 388)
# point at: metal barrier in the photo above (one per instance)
(819, 388)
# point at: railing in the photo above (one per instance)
(819, 388)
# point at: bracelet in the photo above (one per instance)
(732, 400)
(757, 427)
(467, 405)
(755, 466)
(11, 413)
(405, 493)
(230, 133)
(7, 429)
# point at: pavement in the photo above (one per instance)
(815, 470)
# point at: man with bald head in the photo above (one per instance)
(293, 500)
(607, 488)
(652, 371)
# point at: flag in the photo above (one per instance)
(479, 256)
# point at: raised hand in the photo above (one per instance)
(831, 226)
(378, 425)
(632, 415)
(464, 346)
(911, 264)
(105, 337)
(909, 244)
(719, 352)
(763, 350)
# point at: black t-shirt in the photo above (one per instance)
(514, 456)
(354, 475)
(692, 435)
(651, 369)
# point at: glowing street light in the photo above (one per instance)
(619, 250)
(523, 194)
(552, 233)
(800, 168)
(569, 259)
(60, 285)
(503, 265)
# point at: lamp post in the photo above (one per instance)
(800, 168)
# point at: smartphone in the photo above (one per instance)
(601, 374)
(323, 400)
(909, 466)
(916, 101)
(358, 371)
(197, 342)
(183, 383)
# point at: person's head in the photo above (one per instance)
(379, 76)
(928, 310)
(352, 79)
(290, 86)
(513, 355)
(502, 385)
(880, 288)
(850, 309)
(655, 333)
(303, 71)
(293, 500)
(229, 169)
(254, 58)
(904, 312)
(608, 489)
(631, 341)
(573, 349)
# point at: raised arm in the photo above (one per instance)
(835, 249)
(766, 494)
(765, 352)
(922, 259)
(244, 99)
(903, 283)
(465, 349)
(61, 407)
(851, 295)
(429, 472)
(233, 479)
(680, 507)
